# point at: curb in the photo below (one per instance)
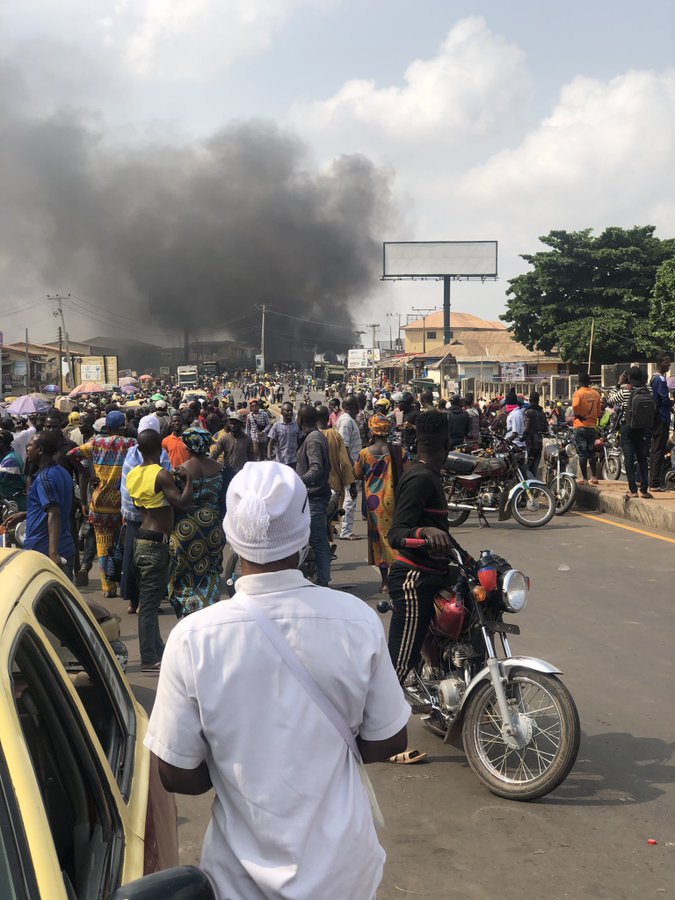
(644, 512)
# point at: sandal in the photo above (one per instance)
(629, 496)
(646, 495)
(407, 758)
(594, 481)
(582, 481)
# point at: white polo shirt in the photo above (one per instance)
(291, 818)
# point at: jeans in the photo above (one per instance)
(584, 439)
(533, 460)
(151, 560)
(318, 538)
(129, 584)
(634, 446)
(657, 452)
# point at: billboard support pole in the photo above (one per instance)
(447, 333)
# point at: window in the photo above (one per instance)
(95, 678)
(17, 879)
(531, 369)
(82, 815)
(431, 335)
(562, 369)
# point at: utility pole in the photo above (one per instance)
(590, 344)
(58, 299)
(60, 367)
(392, 315)
(27, 366)
(263, 309)
(373, 327)
(425, 312)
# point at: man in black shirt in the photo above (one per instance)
(416, 576)
(459, 423)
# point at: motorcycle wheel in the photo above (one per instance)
(457, 517)
(231, 571)
(613, 468)
(533, 507)
(549, 714)
(564, 488)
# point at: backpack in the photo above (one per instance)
(641, 408)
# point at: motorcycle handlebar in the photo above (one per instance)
(414, 543)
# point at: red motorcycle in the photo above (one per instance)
(518, 723)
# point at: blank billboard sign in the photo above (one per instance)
(435, 259)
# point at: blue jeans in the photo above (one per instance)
(318, 538)
(129, 584)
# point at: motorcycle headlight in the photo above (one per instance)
(514, 590)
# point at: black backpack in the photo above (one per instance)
(641, 408)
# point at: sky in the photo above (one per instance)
(486, 121)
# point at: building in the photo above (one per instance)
(481, 353)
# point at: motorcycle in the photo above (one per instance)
(15, 536)
(495, 481)
(563, 483)
(610, 455)
(517, 721)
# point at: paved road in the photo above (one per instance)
(601, 609)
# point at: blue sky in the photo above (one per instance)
(494, 120)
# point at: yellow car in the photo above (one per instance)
(82, 812)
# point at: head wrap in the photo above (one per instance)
(197, 440)
(115, 419)
(380, 426)
(149, 423)
(267, 512)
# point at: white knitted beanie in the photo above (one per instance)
(267, 512)
(149, 423)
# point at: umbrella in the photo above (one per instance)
(51, 389)
(157, 396)
(128, 380)
(146, 378)
(24, 406)
(671, 383)
(128, 388)
(87, 387)
(132, 404)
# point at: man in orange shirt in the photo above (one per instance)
(586, 406)
(174, 445)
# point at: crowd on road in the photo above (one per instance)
(153, 490)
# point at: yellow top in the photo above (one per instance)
(141, 486)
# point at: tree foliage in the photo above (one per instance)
(661, 326)
(610, 278)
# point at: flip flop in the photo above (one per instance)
(629, 496)
(594, 481)
(407, 758)
(582, 481)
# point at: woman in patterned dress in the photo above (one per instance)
(380, 466)
(197, 540)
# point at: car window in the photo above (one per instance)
(96, 680)
(82, 814)
(17, 881)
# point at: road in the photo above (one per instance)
(601, 610)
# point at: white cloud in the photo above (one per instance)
(192, 39)
(603, 157)
(468, 91)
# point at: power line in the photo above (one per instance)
(311, 321)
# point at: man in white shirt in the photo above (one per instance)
(348, 428)
(291, 817)
(515, 426)
(22, 439)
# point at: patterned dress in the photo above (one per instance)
(378, 484)
(196, 546)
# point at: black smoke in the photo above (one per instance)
(194, 235)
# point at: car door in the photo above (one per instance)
(82, 733)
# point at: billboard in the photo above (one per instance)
(512, 371)
(259, 363)
(435, 259)
(100, 369)
(362, 358)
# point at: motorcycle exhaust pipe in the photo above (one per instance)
(460, 506)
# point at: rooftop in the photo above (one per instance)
(457, 320)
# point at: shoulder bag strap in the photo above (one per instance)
(286, 652)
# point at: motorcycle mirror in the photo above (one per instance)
(384, 606)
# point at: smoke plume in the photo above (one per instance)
(188, 235)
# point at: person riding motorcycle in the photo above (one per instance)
(416, 576)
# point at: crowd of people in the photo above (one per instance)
(155, 490)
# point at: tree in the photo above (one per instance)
(609, 278)
(661, 335)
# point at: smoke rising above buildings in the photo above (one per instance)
(190, 235)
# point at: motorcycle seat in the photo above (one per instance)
(460, 463)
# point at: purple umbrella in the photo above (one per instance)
(24, 406)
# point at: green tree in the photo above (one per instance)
(661, 331)
(609, 278)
